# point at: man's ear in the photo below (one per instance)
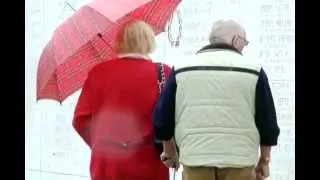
(236, 43)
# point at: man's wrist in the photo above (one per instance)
(265, 153)
(265, 159)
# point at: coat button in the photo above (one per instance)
(124, 145)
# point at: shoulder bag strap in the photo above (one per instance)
(161, 76)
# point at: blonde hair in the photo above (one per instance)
(135, 37)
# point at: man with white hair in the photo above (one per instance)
(219, 110)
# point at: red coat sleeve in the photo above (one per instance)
(83, 112)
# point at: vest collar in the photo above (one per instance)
(217, 47)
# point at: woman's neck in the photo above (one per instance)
(134, 55)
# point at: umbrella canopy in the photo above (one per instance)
(114, 10)
(87, 38)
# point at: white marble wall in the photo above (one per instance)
(53, 149)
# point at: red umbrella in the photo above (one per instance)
(87, 38)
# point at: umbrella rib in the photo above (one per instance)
(149, 9)
(93, 21)
(100, 53)
(172, 8)
(78, 29)
(83, 38)
(64, 37)
(64, 41)
(159, 20)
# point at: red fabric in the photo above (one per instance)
(144, 165)
(75, 46)
(113, 116)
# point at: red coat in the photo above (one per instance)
(113, 116)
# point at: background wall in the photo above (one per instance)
(53, 149)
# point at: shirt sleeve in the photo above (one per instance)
(83, 112)
(265, 116)
(164, 112)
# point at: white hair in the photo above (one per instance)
(224, 30)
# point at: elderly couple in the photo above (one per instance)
(215, 109)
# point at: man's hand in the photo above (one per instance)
(262, 169)
(171, 161)
(259, 176)
(169, 156)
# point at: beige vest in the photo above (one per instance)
(215, 109)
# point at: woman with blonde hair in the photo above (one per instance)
(114, 111)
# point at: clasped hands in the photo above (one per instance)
(169, 156)
(171, 161)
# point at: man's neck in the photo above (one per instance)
(218, 46)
